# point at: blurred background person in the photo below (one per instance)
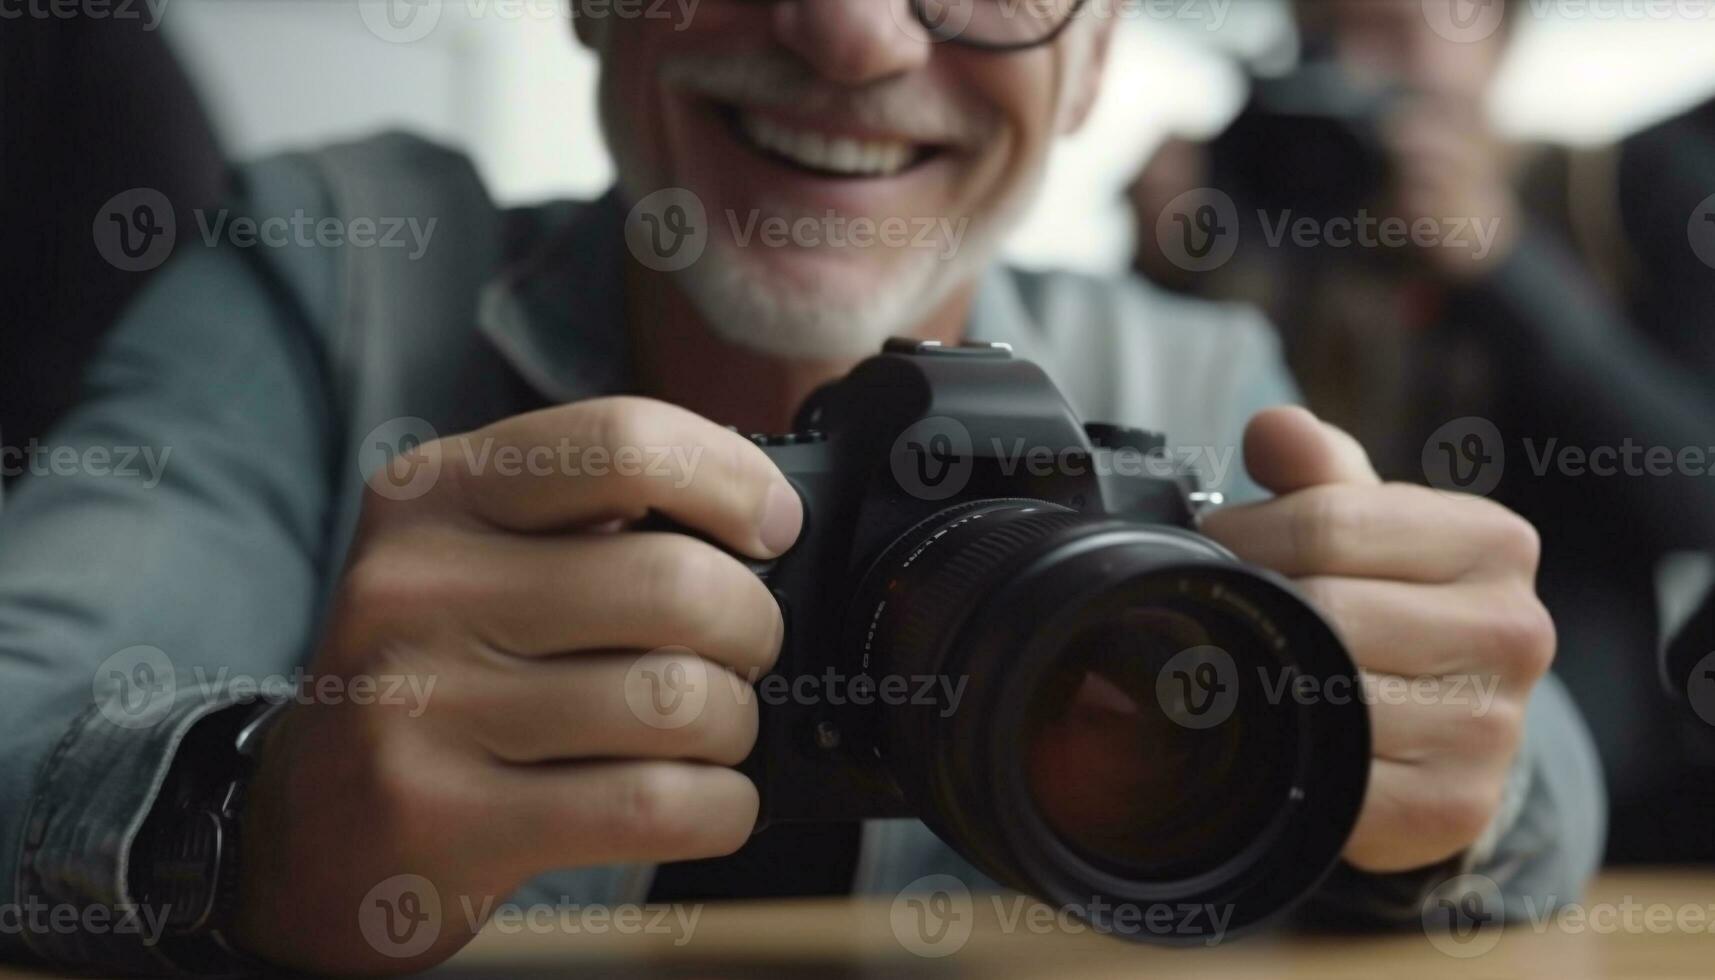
(1493, 317)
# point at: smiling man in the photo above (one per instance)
(357, 832)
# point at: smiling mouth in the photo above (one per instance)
(824, 154)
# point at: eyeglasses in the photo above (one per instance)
(988, 25)
(995, 25)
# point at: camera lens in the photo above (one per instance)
(1126, 741)
(1135, 754)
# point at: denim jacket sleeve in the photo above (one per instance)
(166, 544)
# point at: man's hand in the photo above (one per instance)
(1452, 171)
(1421, 584)
(526, 603)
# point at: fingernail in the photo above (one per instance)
(782, 518)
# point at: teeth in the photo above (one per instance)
(840, 154)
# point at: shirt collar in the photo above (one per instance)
(558, 316)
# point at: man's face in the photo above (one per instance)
(855, 173)
(1392, 41)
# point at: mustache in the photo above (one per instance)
(907, 106)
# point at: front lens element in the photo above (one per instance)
(1151, 748)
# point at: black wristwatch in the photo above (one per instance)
(185, 860)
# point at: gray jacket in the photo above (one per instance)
(239, 395)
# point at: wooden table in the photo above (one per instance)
(863, 939)
(858, 939)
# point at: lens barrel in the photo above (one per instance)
(1147, 732)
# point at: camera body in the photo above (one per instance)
(911, 434)
(1000, 621)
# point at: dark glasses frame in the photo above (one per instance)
(920, 10)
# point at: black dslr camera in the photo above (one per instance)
(1309, 143)
(999, 621)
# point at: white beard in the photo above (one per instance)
(801, 320)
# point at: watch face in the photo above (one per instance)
(184, 871)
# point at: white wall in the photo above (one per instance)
(505, 79)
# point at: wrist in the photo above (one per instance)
(187, 858)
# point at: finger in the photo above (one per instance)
(1288, 449)
(669, 704)
(1396, 531)
(541, 596)
(600, 813)
(1490, 635)
(1415, 816)
(1418, 720)
(581, 464)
